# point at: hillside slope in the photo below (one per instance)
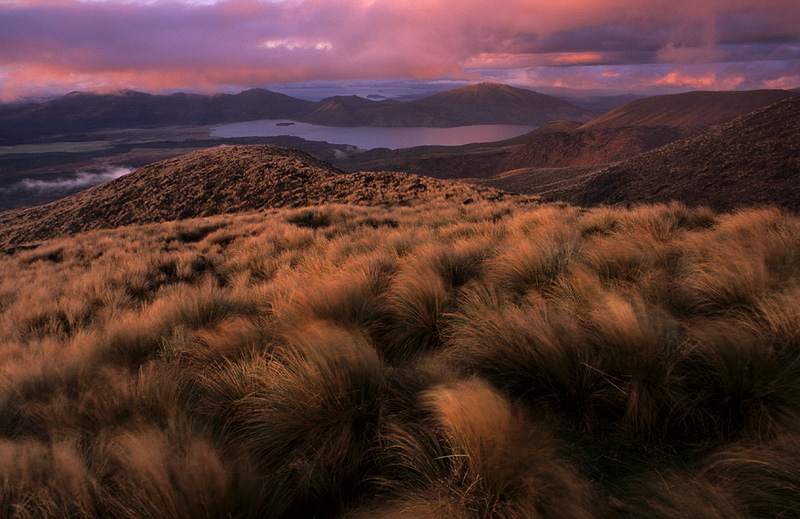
(754, 159)
(588, 147)
(692, 109)
(219, 181)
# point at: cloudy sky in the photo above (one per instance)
(55, 46)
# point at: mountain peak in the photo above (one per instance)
(490, 87)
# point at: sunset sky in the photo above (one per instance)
(50, 47)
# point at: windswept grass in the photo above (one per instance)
(489, 359)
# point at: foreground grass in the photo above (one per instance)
(446, 360)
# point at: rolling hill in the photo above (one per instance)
(220, 181)
(493, 103)
(637, 127)
(752, 160)
(692, 109)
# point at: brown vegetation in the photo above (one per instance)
(424, 359)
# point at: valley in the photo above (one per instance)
(530, 163)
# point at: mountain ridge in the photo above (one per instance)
(751, 160)
(228, 179)
(477, 104)
(690, 109)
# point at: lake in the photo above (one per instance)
(368, 137)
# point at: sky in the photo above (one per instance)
(51, 47)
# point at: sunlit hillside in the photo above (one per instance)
(429, 359)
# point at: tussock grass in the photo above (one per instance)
(171, 472)
(477, 360)
(742, 480)
(45, 480)
(491, 461)
(535, 352)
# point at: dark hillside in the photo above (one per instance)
(692, 109)
(752, 160)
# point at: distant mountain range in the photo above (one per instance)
(486, 103)
(617, 157)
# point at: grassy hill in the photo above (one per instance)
(749, 161)
(218, 181)
(692, 109)
(431, 358)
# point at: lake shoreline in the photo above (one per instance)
(372, 137)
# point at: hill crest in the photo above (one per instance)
(220, 181)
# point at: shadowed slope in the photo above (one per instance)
(637, 127)
(218, 181)
(492, 103)
(751, 160)
(692, 109)
(588, 147)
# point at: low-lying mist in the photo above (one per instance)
(34, 191)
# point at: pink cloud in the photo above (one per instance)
(54, 45)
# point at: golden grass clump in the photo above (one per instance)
(174, 472)
(305, 418)
(494, 462)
